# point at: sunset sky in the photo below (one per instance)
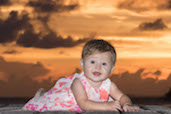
(42, 40)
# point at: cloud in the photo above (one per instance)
(11, 31)
(77, 70)
(20, 29)
(5, 2)
(46, 6)
(167, 5)
(43, 9)
(10, 27)
(19, 70)
(28, 39)
(158, 73)
(51, 40)
(11, 51)
(23, 87)
(130, 83)
(133, 84)
(2, 59)
(141, 5)
(156, 25)
(20, 78)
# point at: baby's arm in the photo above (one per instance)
(85, 104)
(124, 100)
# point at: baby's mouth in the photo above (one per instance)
(97, 73)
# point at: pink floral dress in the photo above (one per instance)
(60, 97)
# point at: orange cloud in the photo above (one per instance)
(141, 5)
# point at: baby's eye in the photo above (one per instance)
(92, 62)
(104, 64)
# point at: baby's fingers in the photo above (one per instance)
(136, 109)
(128, 109)
(131, 109)
(115, 109)
(118, 107)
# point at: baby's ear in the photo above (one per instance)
(81, 63)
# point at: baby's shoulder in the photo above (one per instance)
(76, 81)
(76, 85)
(113, 85)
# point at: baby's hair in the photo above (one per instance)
(96, 45)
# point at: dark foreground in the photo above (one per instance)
(146, 109)
(147, 105)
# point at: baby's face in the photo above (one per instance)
(98, 66)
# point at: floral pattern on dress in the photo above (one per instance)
(60, 97)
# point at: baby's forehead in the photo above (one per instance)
(102, 55)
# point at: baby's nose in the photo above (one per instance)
(98, 66)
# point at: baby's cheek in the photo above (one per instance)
(107, 69)
(89, 67)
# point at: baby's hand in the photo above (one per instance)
(130, 108)
(114, 105)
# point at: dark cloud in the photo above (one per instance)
(77, 70)
(43, 9)
(20, 70)
(126, 5)
(5, 2)
(130, 83)
(28, 39)
(20, 29)
(51, 40)
(133, 84)
(23, 87)
(21, 78)
(10, 27)
(2, 59)
(158, 72)
(156, 25)
(168, 95)
(12, 51)
(48, 6)
(167, 5)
